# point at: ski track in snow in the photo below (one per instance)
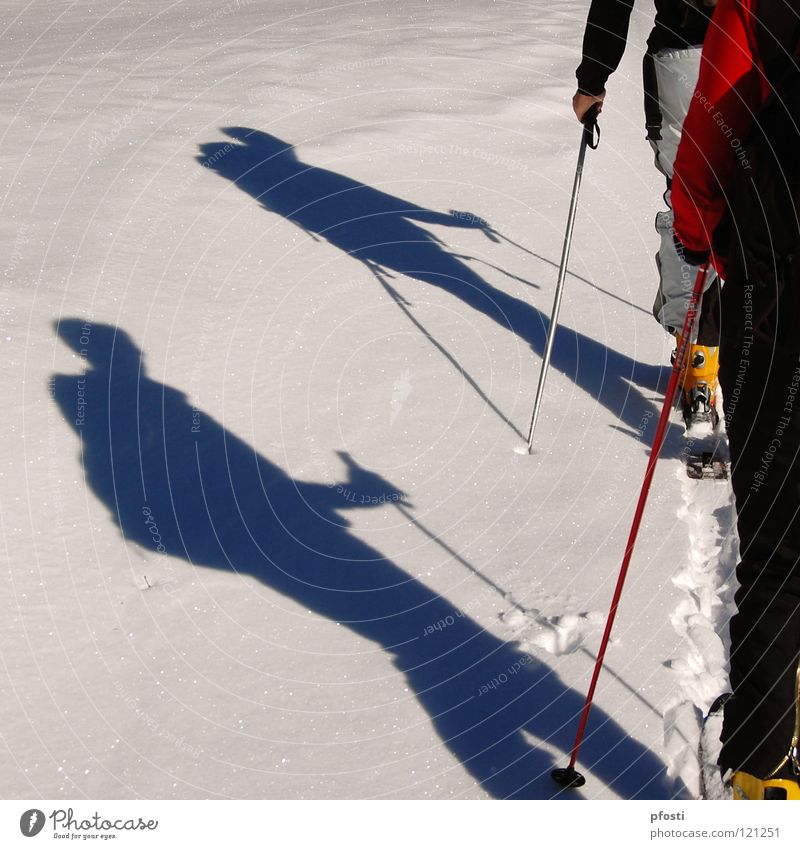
(701, 619)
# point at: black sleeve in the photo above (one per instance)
(603, 43)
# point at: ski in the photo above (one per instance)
(706, 451)
(707, 465)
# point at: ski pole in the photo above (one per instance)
(569, 776)
(587, 140)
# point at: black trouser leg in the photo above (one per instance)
(708, 322)
(761, 387)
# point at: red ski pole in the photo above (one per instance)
(569, 776)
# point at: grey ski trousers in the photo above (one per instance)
(670, 77)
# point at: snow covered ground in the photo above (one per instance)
(265, 530)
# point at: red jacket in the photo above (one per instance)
(731, 88)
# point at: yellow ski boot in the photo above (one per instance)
(746, 786)
(699, 389)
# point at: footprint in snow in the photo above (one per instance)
(558, 635)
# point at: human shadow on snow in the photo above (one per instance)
(388, 235)
(153, 458)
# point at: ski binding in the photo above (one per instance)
(706, 465)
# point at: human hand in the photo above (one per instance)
(469, 219)
(693, 257)
(581, 103)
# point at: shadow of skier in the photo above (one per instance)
(383, 232)
(147, 452)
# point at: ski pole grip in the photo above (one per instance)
(591, 129)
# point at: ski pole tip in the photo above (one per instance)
(522, 448)
(568, 778)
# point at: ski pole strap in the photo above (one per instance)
(590, 127)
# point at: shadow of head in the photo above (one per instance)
(101, 345)
(256, 149)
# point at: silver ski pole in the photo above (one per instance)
(588, 139)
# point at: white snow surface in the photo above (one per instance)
(236, 313)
